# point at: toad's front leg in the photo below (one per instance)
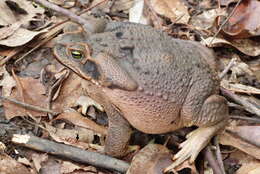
(119, 132)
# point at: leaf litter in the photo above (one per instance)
(23, 22)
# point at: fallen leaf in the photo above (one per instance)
(79, 137)
(249, 168)
(137, 13)
(11, 166)
(236, 87)
(20, 37)
(25, 93)
(8, 16)
(38, 159)
(7, 82)
(77, 119)
(68, 167)
(206, 19)
(152, 159)
(231, 139)
(246, 46)
(244, 22)
(175, 10)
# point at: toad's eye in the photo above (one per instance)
(76, 54)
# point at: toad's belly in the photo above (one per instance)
(149, 114)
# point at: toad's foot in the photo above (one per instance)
(196, 141)
(85, 102)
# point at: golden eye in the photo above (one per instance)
(76, 54)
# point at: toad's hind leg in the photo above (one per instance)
(214, 115)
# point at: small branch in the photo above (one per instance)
(227, 68)
(230, 15)
(70, 152)
(252, 119)
(63, 11)
(212, 161)
(28, 106)
(218, 155)
(248, 106)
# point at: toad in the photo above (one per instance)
(147, 80)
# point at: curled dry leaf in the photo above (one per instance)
(12, 34)
(175, 10)
(244, 22)
(20, 37)
(246, 46)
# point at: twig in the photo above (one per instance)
(255, 120)
(28, 106)
(227, 68)
(212, 161)
(70, 152)
(218, 155)
(230, 15)
(248, 106)
(63, 11)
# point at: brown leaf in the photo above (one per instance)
(246, 46)
(233, 140)
(68, 167)
(69, 93)
(78, 137)
(152, 159)
(24, 92)
(10, 166)
(7, 82)
(250, 168)
(236, 87)
(77, 119)
(174, 10)
(244, 22)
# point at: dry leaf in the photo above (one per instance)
(137, 13)
(244, 22)
(174, 10)
(7, 82)
(38, 159)
(7, 16)
(25, 93)
(152, 159)
(206, 19)
(10, 166)
(69, 93)
(236, 87)
(79, 137)
(12, 35)
(246, 46)
(77, 119)
(249, 168)
(20, 37)
(68, 167)
(232, 140)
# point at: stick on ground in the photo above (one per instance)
(70, 152)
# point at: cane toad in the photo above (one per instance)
(149, 80)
